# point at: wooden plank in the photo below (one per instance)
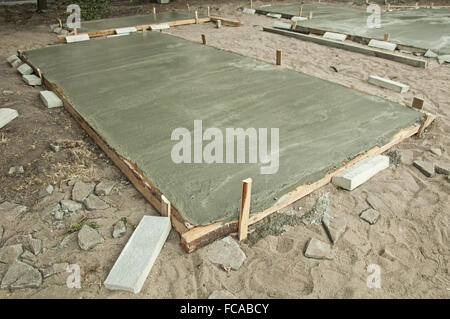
(102, 33)
(278, 57)
(227, 21)
(245, 208)
(413, 61)
(165, 206)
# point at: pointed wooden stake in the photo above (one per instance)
(310, 15)
(196, 17)
(251, 4)
(204, 39)
(294, 25)
(245, 208)
(154, 10)
(301, 12)
(165, 206)
(209, 12)
(386, 37)
(188, 8)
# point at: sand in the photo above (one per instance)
(413, 227)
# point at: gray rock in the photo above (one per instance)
(21, 275)
(28, 256)
(221, 294)
(370, 215)
(46, 191)
(88, 238)
(426, 168)
(335, 227)
(34, 244)
(7, 92)
(317, 249)
(226, 252)
(63, 32)
(430, 54)
(82, 190)
(9, 254)
(443, 59)
(104, 188)
(59, 215)
(436, 151)
(57, 29)
(16, 63)
(1, 232)
(70, 205)
(95, 203)
(12, 58)
(55, 147)
(441, 169)
(16, 170)
(66, 240)
(119, 229)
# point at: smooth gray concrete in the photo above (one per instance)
(139, 254)
(136, 90)
(421, 28)
(7, 115)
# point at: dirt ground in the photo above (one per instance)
(410, 242)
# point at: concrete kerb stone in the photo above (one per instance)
(32, 79)
(388, 84)
(382, 45)
(50, 99)
(77, 38)
(335, 36)
(25, 69)
(7, 115)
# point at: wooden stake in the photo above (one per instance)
(165, 206)
(189, 8)
(204, 39)
(278, 57)
(39, 73)
(251, 4)
(386, 37)
(417, 5)
(432, 5)
(310, 15)
(417, 103)
(245, 208)
(209, 12)
(196, 17)
(75, 31)
(154, 10)
(60, 23)
(389, 7)
(301, 12)
(294, 25)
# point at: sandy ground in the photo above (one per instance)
(410, 242)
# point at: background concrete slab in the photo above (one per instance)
(421, 28)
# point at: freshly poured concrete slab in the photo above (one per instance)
(131, 21)
(421, 28)
(321, 124)
(139, 254)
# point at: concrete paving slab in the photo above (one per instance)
(139, 254)
(77, 38)
(160, 27)
(7, 115)
(382, 45)
(16, 63)
(388, 84)
(179, 85)
(335, 36)
(127, 30)
(25, 69)
(12, 58)
(32, 79)
(249, 11)
(361, 172)
(274, 15)
(282, 25)
(50, 99)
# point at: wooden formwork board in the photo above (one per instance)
(194, 237)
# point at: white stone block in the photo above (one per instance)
(335, 36)
(295, 18)
(50, 99)
(139, 254)
(77, 38)
(25, 69)
(117, 35)
(16, 63)
(388, 84)
(7, 115)
(126, 30)
(430, 54)
(361, 172)
(12, 58)
(274, 15)
(160, 27)
(249, 11)
(32, 79)
(382, 45)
